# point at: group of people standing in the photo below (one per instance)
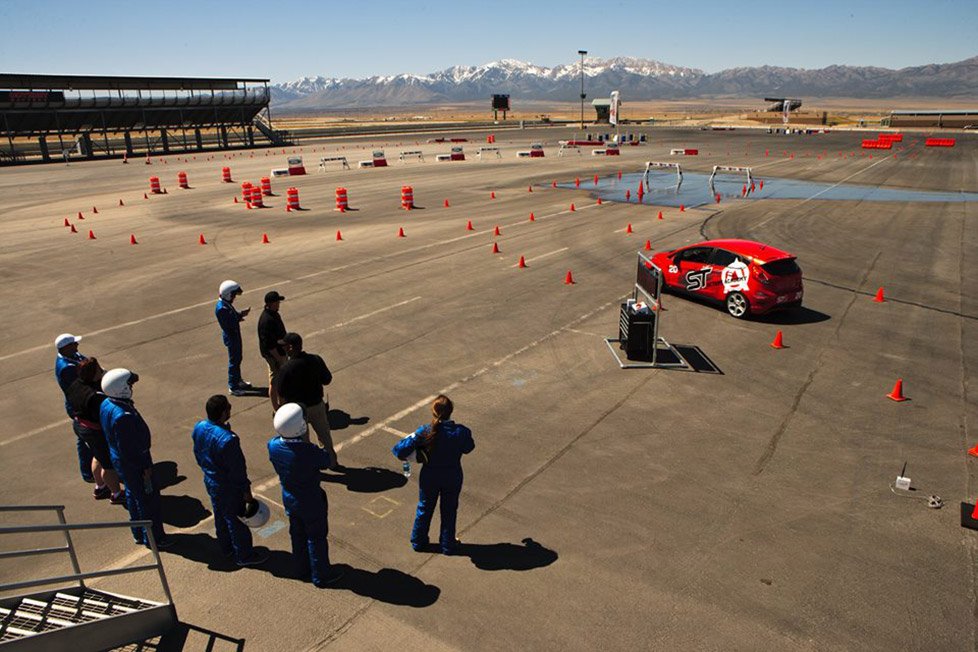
(113, 445)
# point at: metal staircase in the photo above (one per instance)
(77, 618)
(278, 137)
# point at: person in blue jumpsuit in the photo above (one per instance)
(439, 446)
(218, 452)
(298, 464)
(230, 321)
(129, 440)
(65, 372)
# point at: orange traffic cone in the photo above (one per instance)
(145, 196)
(492, 195)
(628, 195)
(577, 182)
(595, 179)
(522, 263)
(529, 188)
(879, 298)
(778, 342)
(682, 208)
(121, 203)
(599, 201)
(532, 218)
(572, 208)
(648, 245)
(973, 451)
(897, 393)
(73, 229)
(67, 223)
(264, 238)
(248, 205)
(339, 236)
(495, 247)
(94, 210)
(496, 231)
(660, 215)
(446, 203)
(164, 191)
(91, 234)
(569, 279)
(628, 229)
(288, 208)
(132, 239)
(468, 226)
(201, 240)
(400, 232)
(553, 184)
(80, 216)
(235, 199)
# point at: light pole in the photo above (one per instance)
(583, 95)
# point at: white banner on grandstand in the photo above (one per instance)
(613, 113)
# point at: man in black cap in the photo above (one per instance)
(301, 380)
(271, 329)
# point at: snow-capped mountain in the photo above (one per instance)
(638, 79)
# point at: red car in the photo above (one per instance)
(747, 277)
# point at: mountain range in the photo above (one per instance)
(637, 79)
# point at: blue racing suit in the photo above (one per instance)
(218, 452)
(65, 372)
(230, 321)
(129, 440)
(298, 463)
(440, 477)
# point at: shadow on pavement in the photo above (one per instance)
(182, 511)
(508, 556)
(369, 479)
(203, 549)
(185, 636)
(794, 317)
(338, 420)
(165, 474)
(388, 585)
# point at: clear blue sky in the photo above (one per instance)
(335, 38)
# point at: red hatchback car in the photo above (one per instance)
(747, 277)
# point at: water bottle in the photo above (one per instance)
(406, 469)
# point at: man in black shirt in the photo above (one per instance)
(301, 380)
(271, 329)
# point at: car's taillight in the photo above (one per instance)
(761, 276)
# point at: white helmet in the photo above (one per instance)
(228, 288)
(117, 383)
(255, 514)
(290, 421)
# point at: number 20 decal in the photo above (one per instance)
(696, 279)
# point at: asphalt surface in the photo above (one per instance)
(602, 508)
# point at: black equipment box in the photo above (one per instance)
(635, 333)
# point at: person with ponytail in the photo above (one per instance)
(439, 447)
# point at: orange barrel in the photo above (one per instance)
(226, 174)
(266, 186)
(407, 197)
(182, 180)
(293, 198)
(256, 201)
(342, 202)
(246, 191)
(154, 185)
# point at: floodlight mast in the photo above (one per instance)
(583, 95)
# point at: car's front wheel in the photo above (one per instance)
(737, 305)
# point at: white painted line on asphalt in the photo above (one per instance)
(274, 502)
(395, 432)
(369, 314)
(541, 256)
(136, 322)
(36, 431)
(357, 263)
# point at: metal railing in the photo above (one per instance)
(69, 548)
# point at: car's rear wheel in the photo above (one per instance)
(737, 305)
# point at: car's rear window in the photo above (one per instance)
(783, 267)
